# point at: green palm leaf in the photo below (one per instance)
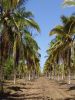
(57, 30)
(69, 3)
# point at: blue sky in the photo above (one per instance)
(47, 14)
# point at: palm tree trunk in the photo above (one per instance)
(62, 71)
(74, 59)
(62, 75)
(69, 65)
(29, 76)
(1, 53)
(69, 77)
(14, 61)
(1, 67)
(38, 75)
(58, 77)
(58, 73)
(49, 75)
(58, 65)
(14, 76)
(1, 78)
(33, 74)
(46, 74)
(54, 72)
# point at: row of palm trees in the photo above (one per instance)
(61, 53)
(16, 40)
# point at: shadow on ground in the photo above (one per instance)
(72, 88)
(15, 96)
(9, 96)
(15, 88)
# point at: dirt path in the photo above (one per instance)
(40, 89)
(45, 89)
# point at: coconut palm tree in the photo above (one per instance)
(22, 23)
(4, 37)
(15, 25)
(66, 31)
(30, 51)
(62, 43)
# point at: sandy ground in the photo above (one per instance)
(39, 89)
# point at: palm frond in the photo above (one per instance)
(32, 23)
(57, 30)
(64, 19)
(69, 3)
